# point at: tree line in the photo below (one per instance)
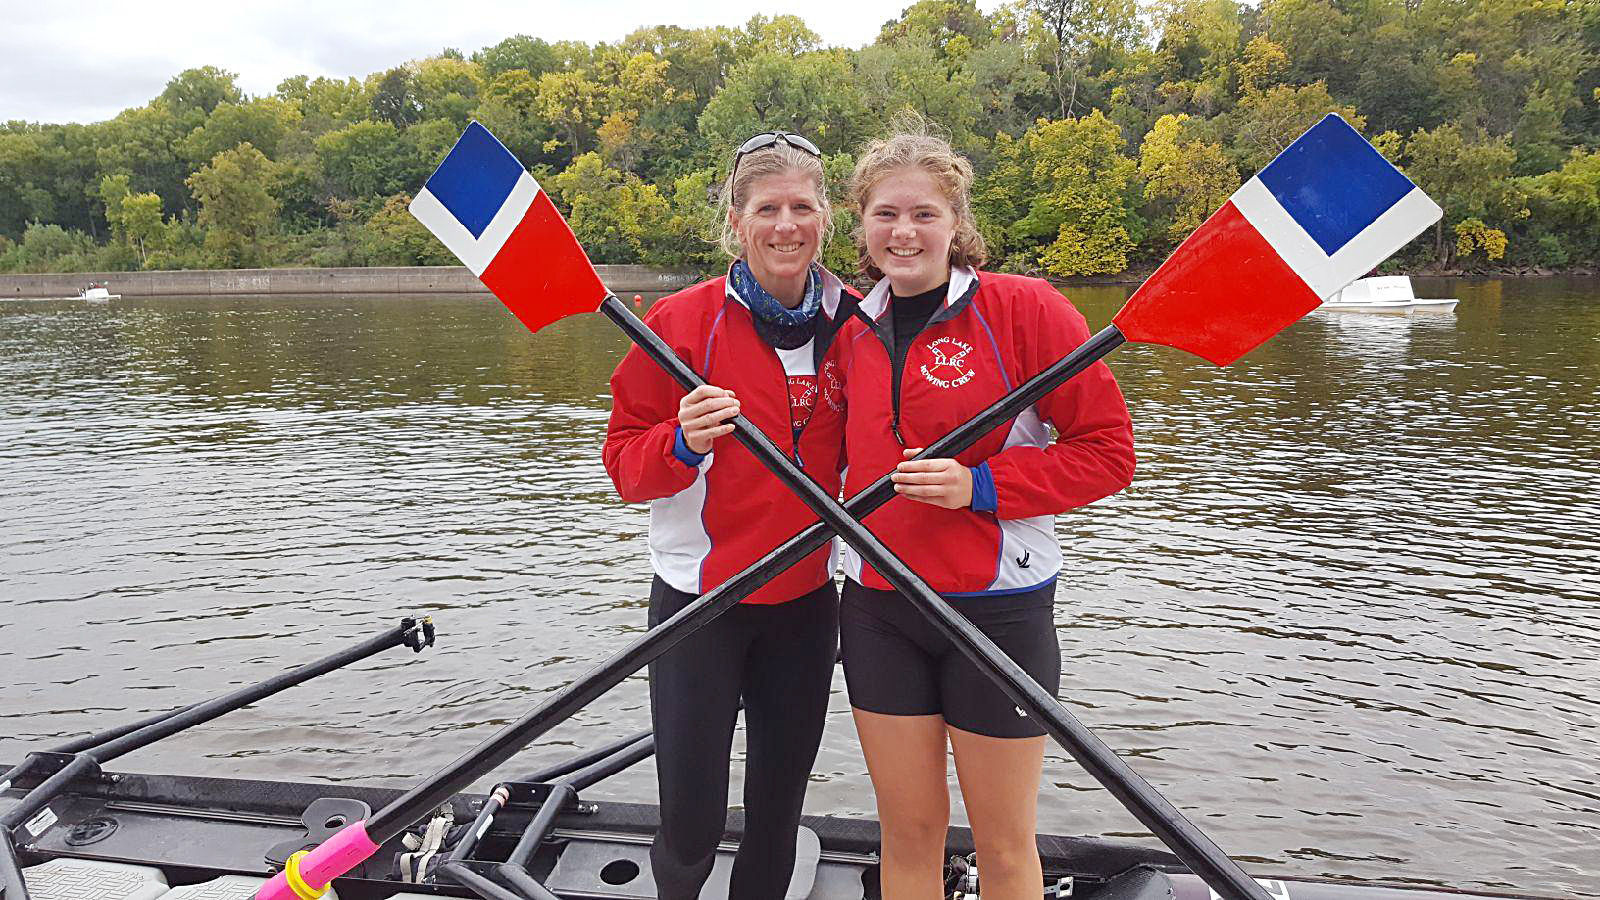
(1102, 131)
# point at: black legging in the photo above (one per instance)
(779, 658)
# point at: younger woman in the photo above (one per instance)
(946, 341)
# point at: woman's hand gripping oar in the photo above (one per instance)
(497, 238)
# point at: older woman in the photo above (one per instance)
(763, 335)
(947, 340)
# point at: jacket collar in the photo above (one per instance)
(963, 283)
(832, 290)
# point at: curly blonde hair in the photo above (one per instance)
(777, 159)
(913, 143)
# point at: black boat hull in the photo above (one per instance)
(194, 828)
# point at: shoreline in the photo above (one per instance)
(362, 280)
(1136, 278)
(621, 279)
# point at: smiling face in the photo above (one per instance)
(908, 224)
(779, 229)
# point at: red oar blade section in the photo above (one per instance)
(1321, 215)
(485, 207)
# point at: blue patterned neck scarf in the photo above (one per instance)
(778, 325)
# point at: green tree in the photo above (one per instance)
(194, 93)
(1185, 180)
(635, 98)
(1199, 40)
(815, 94)
(394, 97)
(1469, 175)
(1069, 195)
(1564, 223)
(325, 104)
(1399, 83)
(25, 194)
(141, 144)
(143, 224)
(262, 123)
(530, 54)
(237, 206)
(368, 160)
(788, 35)
(394, 237)
(447, 89)
(573, 104)
(1009, 91)
(113, 188)
(911, 73)
(135, 219)
(1316, 35)
(615, 216)
(1265, 123)
(510, 109)
(698, 60)
(692, 227)
(1077, 33)
(939, 23)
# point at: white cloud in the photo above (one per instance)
(86, 60)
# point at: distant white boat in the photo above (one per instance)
(97, 293)
(1384, 293)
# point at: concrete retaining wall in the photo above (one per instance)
(375, 280)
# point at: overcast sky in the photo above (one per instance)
(87, 60)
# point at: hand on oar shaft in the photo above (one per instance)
(939, 482)
(705, 414)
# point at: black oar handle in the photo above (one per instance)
(1196, 850)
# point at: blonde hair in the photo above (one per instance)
(913, 143)
(774, 160)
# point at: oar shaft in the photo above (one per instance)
(194, 715)
(94, 740)
(1149, 807)
(568, 766)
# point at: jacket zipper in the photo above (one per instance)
(788, 402)
(788, 405)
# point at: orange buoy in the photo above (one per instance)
(638, 299)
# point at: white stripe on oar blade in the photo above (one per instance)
(1393, 229)
(1326, 274)
(1295, 247)
(476, 253)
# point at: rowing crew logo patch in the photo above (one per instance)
(832, 389)
(802, 399)
(949, 368)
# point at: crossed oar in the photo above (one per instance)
(1239, 279)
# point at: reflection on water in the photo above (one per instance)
(1346, 617)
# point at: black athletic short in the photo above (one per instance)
(897, 663)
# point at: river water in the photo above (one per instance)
(1347, 618)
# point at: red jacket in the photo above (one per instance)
(993, 333)
(709, 520)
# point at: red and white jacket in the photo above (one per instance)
(712, 516)
(993, 333)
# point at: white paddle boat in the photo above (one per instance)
(1384, 293)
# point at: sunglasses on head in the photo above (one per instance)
(767, 139)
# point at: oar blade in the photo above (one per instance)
(485, 207)
(1326, 211)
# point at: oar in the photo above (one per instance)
(485, 207)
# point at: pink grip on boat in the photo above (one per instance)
(333, 857)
